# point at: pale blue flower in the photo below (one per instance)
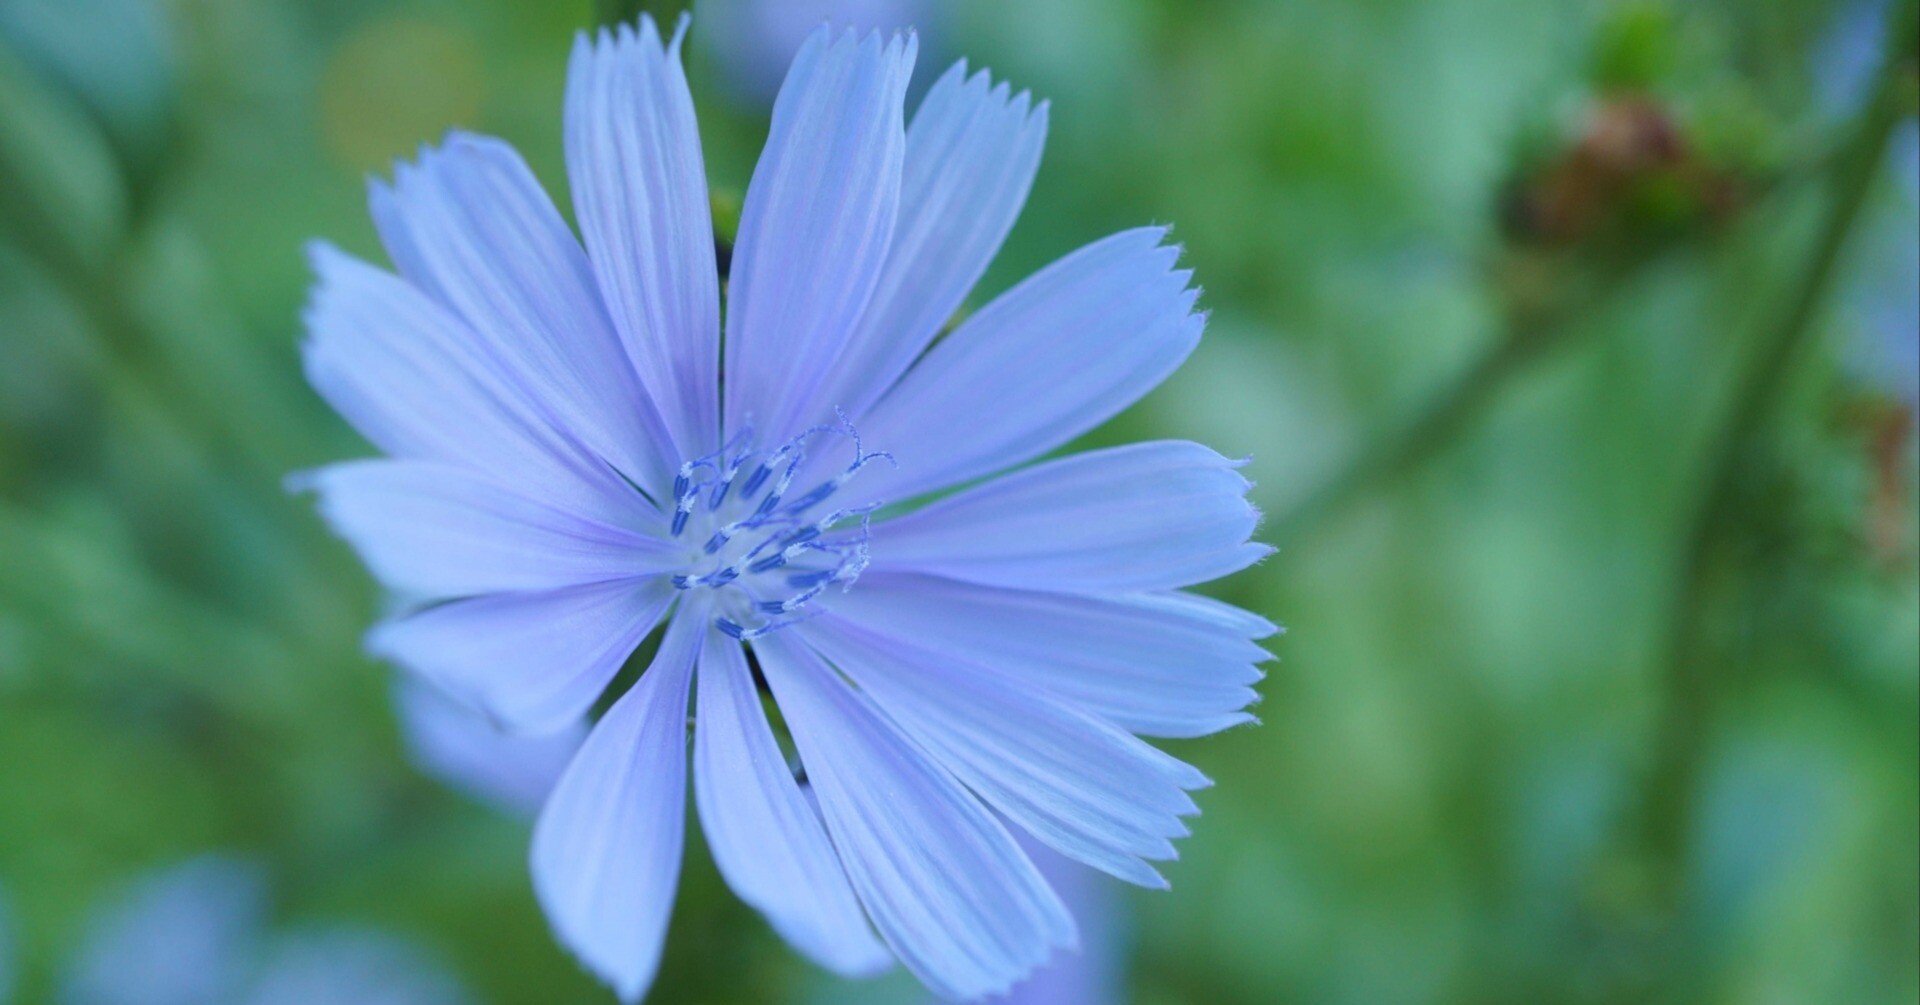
(181, 935)
(569, 471)
(197, 933)
(1093, 973)
(511, 771)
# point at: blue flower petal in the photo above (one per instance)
(461, 747)
(606, 852)
(434, 530)
(1046, 361)
(411, 377)
(972, 151)
(815, 228)
(766, 837)
(1148, 516)
(182, 935)
(640, 194)
(1168, 665)
(946, 885)
(1087, 788)
(470, 225)
(1097, 972)
(535, 662)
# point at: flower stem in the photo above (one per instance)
(1527, 339)
(1691, 677)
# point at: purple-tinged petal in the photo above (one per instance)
(945, 884)
(1048, 360)
(972, 151)
(766, 836)
(470, 225)
(183, 935)
(640, 195)
(1079, 784)
(535, 662)
(461, 747)
(413, 379)
(815, 229)
(1095, 973)
(606, 852)
(1157, 664)
(1149, 516)
(434, 530)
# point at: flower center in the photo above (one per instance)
(766, 549)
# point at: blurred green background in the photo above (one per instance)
(1574, 344)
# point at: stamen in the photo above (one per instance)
(816, 583)
(826, 489)
(802, 580)
(686, 491)
(794, 452)
(785, 536)
(757, 479)
(733, 467)
(716, 579)
(735, 630)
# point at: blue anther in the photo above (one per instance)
(715, 579)
(813, 497)
(719, 494)
(679, 521)
(755, 480)
(802, 580)
(773, 561)
(731, 628)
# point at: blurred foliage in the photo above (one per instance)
(1491, 280)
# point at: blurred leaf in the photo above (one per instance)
(115, 55)
(63, 192)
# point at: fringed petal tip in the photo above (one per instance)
(429, 158)
(980, 86)
(834, 34)
(322, 254)
(641, 31)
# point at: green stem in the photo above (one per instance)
(1527, 340)
(1691, 677)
